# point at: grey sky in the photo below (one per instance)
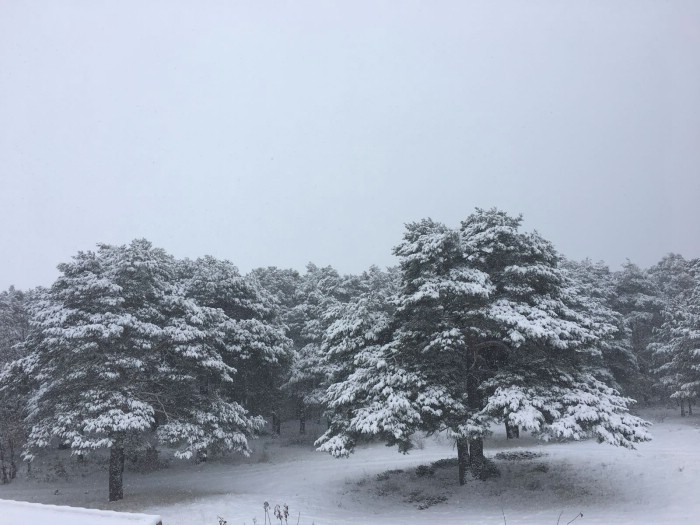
(277, 133)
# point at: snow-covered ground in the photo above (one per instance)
(657, 483)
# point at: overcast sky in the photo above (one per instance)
(277, 133)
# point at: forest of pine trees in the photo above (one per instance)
(131, 350)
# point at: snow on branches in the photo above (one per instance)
(487, 327)
(129, 343)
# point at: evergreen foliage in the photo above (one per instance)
(677, 345)
(637, 298)
(14, 323)
(594, 285)
(321, 291)
(479, 325)
(253, 342)
(488, 328)
(14, 327)
(119, 351)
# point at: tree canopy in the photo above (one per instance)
(487, 328)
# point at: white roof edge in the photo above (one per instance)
(111, 515)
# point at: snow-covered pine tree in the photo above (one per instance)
(285, 288)
(118, 353)
(353, 348)
(486, 331)
(322, 289)
(442, 335)
(282, 284)
(672, 276)
(253, 341)
(677, 342)
(14, 323)
(594, 286)
(638, 298)
(551, 380)
(417, 373)
(14, 327)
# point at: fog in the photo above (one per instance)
(282, 133)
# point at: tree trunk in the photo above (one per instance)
(512, 431)
(462, 458)
(682, 408)
(476, 445)
(690, 408)
(116, 471)
(477, 462)
(276, 424)
(3, 469)
(13, 465)
(302, 418)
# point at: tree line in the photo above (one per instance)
(132, 349)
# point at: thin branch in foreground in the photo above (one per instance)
(579, 515)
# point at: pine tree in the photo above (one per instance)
(14, 323)
(594, 286)
(352, 349)
(285, 289)
(253, 341)
(118, 354)
(14, 326)
(677, 344)
(321, 290)
(638, 299)
(672, 276)
(551, 378)
(487, 329)
(282, 284)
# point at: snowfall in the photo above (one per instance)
(540, 483)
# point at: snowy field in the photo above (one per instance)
(657, 483)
